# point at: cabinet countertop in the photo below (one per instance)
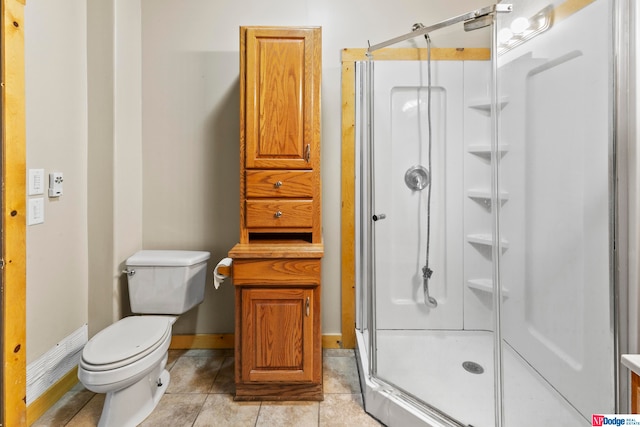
(277, 249)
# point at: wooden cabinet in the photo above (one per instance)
(278, 335)
(277, 263)
(280, 69)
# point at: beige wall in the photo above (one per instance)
(100, 166)
(56, 111)
(136, 101)
(190, 122)
(114, 168)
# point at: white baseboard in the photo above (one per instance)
(55, 363)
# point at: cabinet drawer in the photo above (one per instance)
(279, 213)
(279, 271)
(279, 183)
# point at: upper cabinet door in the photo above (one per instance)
(282, 98)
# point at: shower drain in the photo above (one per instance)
(472, 367)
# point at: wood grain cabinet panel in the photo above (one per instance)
(276, 271)
(277, 339)
(277, 213)
(280, 83)
(277, 183)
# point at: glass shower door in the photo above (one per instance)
(556, 306)
(494, 176)
(433, 336)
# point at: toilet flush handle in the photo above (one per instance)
(129, 272)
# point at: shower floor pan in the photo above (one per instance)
(429, 365)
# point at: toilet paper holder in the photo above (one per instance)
(222, 270)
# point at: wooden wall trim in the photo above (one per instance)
(347, 226)
(13, 214)
(207, 341)
(568, 8)
(332, 341)
(38, 407)
(185, 342)
(413, 54)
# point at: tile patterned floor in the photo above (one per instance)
(200, 394)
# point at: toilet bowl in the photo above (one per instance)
(127, 359)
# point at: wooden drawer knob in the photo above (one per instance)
(278, 214)
(278, 184)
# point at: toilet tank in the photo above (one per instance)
(166, 282)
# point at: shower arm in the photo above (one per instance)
(495, 8)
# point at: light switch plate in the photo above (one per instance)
(36, 211)
(36, 182)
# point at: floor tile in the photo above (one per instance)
(201, 390)
(338, 352)
(344, 410)
(298, 414)
(209, 352)
(221, 411)
(89, 415)
(340, 375)
(174, 355)
(194, 374)
(64, 409)
(225, 380)
(175, 410)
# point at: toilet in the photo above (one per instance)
(127, 359)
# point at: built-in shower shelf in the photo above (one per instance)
(486, 240)
(484, 196)
(484, 105)
(485, 285)
(485, 150)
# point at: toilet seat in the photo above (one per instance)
(108, 376)
(126, 341)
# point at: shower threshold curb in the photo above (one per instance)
(386, 404)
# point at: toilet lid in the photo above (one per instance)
(126, 340)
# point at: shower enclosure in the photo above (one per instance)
(487, 219)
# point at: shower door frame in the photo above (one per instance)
(348, 224)
(349, 59)
(624, 177)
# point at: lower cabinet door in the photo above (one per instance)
(277, 334)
